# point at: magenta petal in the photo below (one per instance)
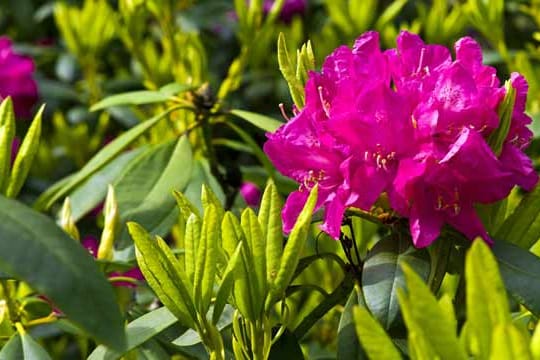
(293, 206)
(91, 244)
(468, 223)
(425, 224)
(333, 217)
(520, 165)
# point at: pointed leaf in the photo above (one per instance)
(374, 339)
(382, 276)
(227, 280)
(25, 156)
(161, 272)
(271, 227)
(191, 244)
(261, 121)
(348, 346)
(257, 245)
(509, 343)
(480, 265)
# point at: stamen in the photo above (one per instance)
(323, 102)
(422, 52)
(414, 122)
(457, 209)
(283, 113)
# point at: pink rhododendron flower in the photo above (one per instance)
(250, 193)
(411, 122)
(16, 79)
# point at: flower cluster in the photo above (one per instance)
(410, 122)
(16, 79)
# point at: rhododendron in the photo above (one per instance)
(250, 193)
(16, 78)
(410, 122)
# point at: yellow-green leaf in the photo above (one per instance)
(374, 340)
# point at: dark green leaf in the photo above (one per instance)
(382, 275)
(520, 270)
(107, 154)
(60, 268)
(287, 347)
(144, 191)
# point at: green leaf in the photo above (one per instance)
(161, 270)
(141, 97)
(271, 226)
(25, 156)
(261, 121)
(138, 331)
(32, 350)
(480, 264)
(498, 137)
(287, 347)
(191, 244)
(58, 267)
(144, 191)
(7, 126)
(287, 70)
(424, 316)
(205, 265)
(256, 245)
(293, 250)
(244, 289)
(520, 270)
(191, 337)
(382, 275)
(227, 281)
(509, 343)
(92, 192)
(522, 227)
(374, 339)
(103, 157)
(348, 346)
(12, 349)
(535, 342)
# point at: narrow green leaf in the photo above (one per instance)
(244, 289)
(261, 121)
(509, 343)
(374, 339)
(205, 266)
(138, 331)
(293, 250)
(5, 157)
(191, 244)
(227, 280)
(163, 275)
(185, 206)
(520, 270)
(389, 13)
(535, 342)
(287, 69)
(58, 267)
(480, 265)
(25, 157)
(256, 245)
(348, 346)
(382, 276)
(271, 226)
(103, 157)
(208, 197)
(142, 97)
(498, 137)
(522, 227)
(424, 316)
(419, 347)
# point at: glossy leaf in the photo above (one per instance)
(373, 337)
(382, 276)
(520, 270)
(32, 350)
(103, 157)
(138, 331)
(58, 267)
(261, 121)
(144, 191)
(141, 97)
